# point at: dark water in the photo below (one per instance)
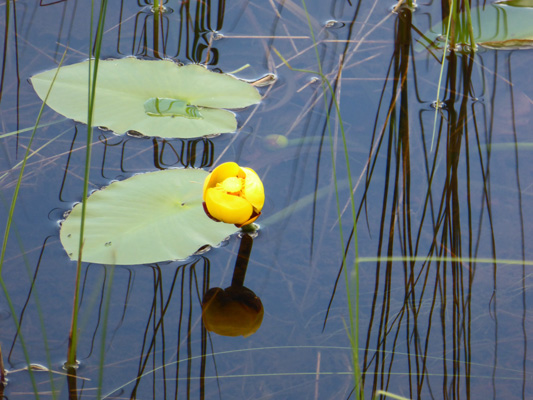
(429, 326)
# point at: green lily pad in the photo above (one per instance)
(495, 26)
(154, 98)
(148, 218)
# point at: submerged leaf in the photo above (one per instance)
(516, 3)
(494, 26)
(511, 44)
(148, 218)
(192, 98)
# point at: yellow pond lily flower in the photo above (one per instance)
(233, 194)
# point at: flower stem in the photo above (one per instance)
(239, 272)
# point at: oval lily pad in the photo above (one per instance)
(128, 92)
(148, 218)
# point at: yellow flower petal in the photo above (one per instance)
(220, 173)
(254, 217)
(240, 196)
(254, 191)
(231, 185)
(226, 207)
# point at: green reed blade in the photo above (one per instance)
(353, 314)
(8, 229)
(92, 76)
(441, 74)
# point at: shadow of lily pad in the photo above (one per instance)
(154, 98)
(148, 218)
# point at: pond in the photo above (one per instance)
(426, 296)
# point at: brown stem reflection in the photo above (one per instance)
(429, 209)
(185, 33)
(118, 151)
(72, 383)
(236, 310)
(172, 357)
(184, 284)
(398, 176)
(3, 380)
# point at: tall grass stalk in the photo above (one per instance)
(353, 325)
(104, 333)
(469, 25)
(353, 312)
(450, 44)
(13, 133)
(35, 152)
(388, 394)
(6, 42)
(450, 259)
(2, 370)
(438, 103)
(92, 76)
(8, 229)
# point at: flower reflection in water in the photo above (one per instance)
(236, 310)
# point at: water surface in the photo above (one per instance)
(430, 325)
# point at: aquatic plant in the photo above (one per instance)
(501, 26)
(430, 238)
(233, 194)
(159, 216)
(151, 97)
(151, 217)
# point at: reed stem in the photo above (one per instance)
(241, 264)
(92, 76)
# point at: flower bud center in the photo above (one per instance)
(231, 185)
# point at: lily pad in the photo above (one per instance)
(148, 218)
(495, 26)
(154, 98)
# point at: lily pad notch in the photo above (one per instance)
(153, 97)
